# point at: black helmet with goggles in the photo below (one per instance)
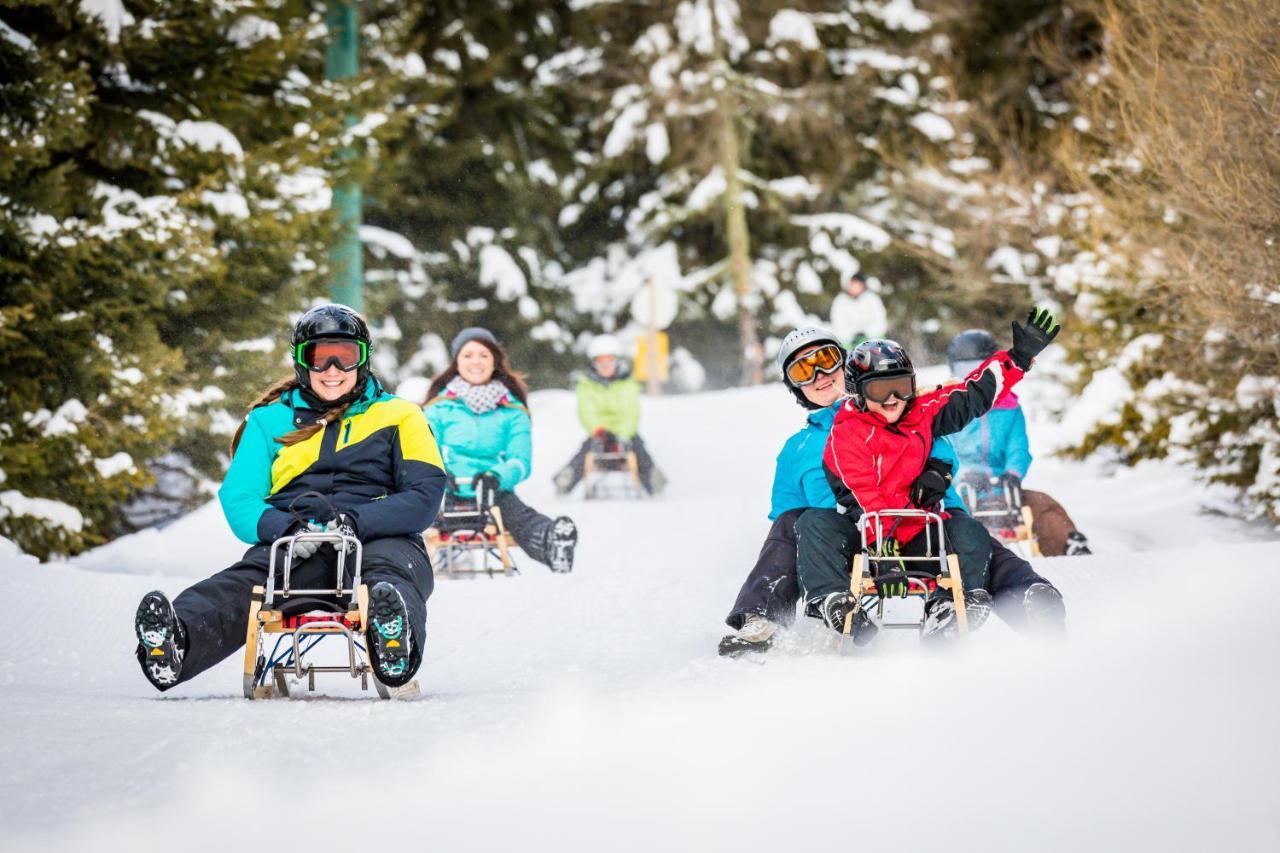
(879, 370)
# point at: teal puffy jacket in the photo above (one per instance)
(500, 441)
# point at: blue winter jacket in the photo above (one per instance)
(499, 441)
(996, 442)
(378, 463)
(799, 480)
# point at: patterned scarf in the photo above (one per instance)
(478, 398)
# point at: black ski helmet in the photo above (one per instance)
(970, 345)
(874, 359)
(336, 322)
(796, 340)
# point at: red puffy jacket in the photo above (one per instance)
(871, 464)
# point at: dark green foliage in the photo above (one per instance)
(138, 247)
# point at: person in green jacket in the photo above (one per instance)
(609, 409)
(478, 411)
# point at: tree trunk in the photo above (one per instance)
(735, 215)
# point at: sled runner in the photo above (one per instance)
(1001, 511)
(302, 618)
(611, 471)
(938, 570)
(469, 539)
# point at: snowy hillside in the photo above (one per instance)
(590, 712)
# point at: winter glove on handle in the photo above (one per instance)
(304, 550)
(1030, 340)
(932, 484)
(486, 487)
(346, 525)
(891, 574)
(1011, 484)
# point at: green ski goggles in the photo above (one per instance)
(344, 353)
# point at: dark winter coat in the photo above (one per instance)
(871, 464)
(379, 463)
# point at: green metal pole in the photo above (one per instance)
(342, 60)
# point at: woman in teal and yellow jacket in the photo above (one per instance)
(478, 411)
(325, 449)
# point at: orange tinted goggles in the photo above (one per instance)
(805, 369)
(880, 390)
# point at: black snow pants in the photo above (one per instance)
(531, 529)
(577, 465)
(772, 588)
(1011, 577)
(827, 540)
(215, 611)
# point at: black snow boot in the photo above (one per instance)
(940, 614)
(755, 635)
(1046, 613)
(835, 609)
(563, 538)
(388, 635)
(1077, 544)
(162, 641)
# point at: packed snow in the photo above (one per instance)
(590, 711)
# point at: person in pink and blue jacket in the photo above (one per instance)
(994, 453)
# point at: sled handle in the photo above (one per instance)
(339, 540)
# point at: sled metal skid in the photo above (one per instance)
(317, 614)
(611, 473)
(946, 575)
(464, 532)
(1007, 517)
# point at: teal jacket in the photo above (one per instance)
(799, 480)
(379, 464)
(500, 441)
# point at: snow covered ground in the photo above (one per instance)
(591, 712)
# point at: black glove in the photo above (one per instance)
(1030, 340)
(891, 574)
(1011, 483)
(346, 525)
(932, 484)
(486, 488)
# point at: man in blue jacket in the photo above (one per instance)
(812, 363)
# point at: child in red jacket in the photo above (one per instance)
(876, 459)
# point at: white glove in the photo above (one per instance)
(304, 550)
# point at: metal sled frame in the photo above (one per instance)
(298, 633)
(469, 532)
(599, 469)
(919, 583)
(1010, 524)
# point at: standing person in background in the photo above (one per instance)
(478, 411)
(609, 409)
(995, 446)
(857, 314)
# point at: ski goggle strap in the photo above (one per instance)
(880, 390)
(803, 370)
(318, 355)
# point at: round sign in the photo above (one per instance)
(654, 304)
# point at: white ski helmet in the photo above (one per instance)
(796, 340)
(602, 345)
